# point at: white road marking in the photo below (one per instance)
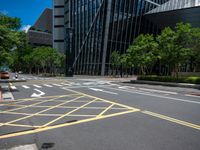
(158, 91)
(66, 84)
(76, 84)
(37, 86)
(13, 87)
(38, 95)
(159, 96)
(126, 87)
(8, 96)
(101, 90)
(192, 95)
(25, 147)
(47, 85)
(26, 87)
(57, 85)
(88, 83)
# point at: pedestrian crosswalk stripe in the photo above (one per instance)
(57, 84)
(47, 85)
(26, 87)
(13, 87)
(37, 86)
(65, 84)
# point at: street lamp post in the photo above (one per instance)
(69, 70)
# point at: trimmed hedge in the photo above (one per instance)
(192, 80)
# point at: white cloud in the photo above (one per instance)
(26, 28)
(5, 12)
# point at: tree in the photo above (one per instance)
(9, 22)
(46, 58)
(195, 46)
(115, 61)
(125, 62)
(143, 53)
(174, 47)
(9, 37)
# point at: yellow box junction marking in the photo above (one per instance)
(74, 97)
(92, 117)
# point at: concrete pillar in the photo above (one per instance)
(107, 25)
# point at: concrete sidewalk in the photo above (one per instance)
(12, 80)
(1, 94)
(184, 85)
(5, 93)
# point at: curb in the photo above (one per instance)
(184, 85)
(7, 81)
(1, 95)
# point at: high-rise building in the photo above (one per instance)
(58, 25)
(40, 34)
(90, 30)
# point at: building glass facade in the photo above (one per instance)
(95, 28)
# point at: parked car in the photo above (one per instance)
(4, 75)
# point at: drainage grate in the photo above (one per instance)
(47, 145)
(71, 121)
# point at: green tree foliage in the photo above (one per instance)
(9, 37)
(169, 51)
(115, 61)
(195, 46)
(174, 46)
(143, 53)
(19, 55)
(125, 62)
(9, 22)
(47, 59)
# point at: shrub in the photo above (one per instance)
(192, 80)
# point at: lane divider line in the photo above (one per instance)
(170, 119)
(159, 96)
(158, 91)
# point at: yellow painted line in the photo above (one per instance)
(105, 110)
(128, 107)
(26, 106)
(78, 115)
(47, 127)
(14, 113)
(40, 112)
(69, 113)
(62, 125)
(20, 125)
(4, 112)
(36, 99)
(183, 123)
(27, 114)
(17, 105)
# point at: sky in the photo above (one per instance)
(27, 10)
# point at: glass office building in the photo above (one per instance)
(93, 29)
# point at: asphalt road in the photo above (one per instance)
(97, 114)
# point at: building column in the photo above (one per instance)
(107, 25)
